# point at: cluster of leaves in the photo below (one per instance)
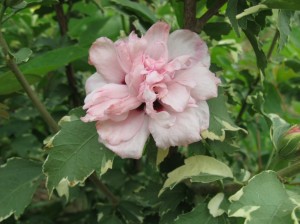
(229, 177)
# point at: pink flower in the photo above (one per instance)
(157, 84)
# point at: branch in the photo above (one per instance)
(111, 197)
(271, 49)
(244, 103)
(63, 26)
(213, 188)
(209, 13)
(21, 78)
(190, 7)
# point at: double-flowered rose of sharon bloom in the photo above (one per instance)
(157, 84)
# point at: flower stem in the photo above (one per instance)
(290, 171)
(22, 80)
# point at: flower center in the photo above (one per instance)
(157, 106)
(141, 107)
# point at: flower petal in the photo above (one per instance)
(104, 57)
(94, 82)
(186, 129)
(187, 48)
(159, 32)
(109, 102)
(204, 83)
(126, 138)
(157, 37)
(177, 97)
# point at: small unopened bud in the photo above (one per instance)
(289, 143)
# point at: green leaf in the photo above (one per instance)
(22, 55)
(257, 101)
(219, 120)
(171, 199)
(251, 10)
(282, 4)
(161, 155)
(178, 9)
(111, 219)
(261, 59)
(200, 212)
(231, 12)
(76, 154)
(19, 179)
(138, 9)
(40, 65)
(263, 200)
(198, 168)
(293, 64)
(131, 212)
(216, 29)
(214, 205)
(88, 29)
(283, 24)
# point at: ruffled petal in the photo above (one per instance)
(177, 97)
(109, 102)
(156, 54)
(94, 82)
(186, 129)
(104, 57)
(186, 48)
(203, 82)
(159, 32)
(126, 138)
(124, 56)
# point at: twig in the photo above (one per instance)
(213, 189)
(21, 78)
(290, 171)
(244, 103)
(209, 13)
(63, 26)
(271, 49)
(190, 14)
(111, 197)
(258, 144)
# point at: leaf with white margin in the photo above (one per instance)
(63, 188)
(76, 154)
(219, 120)
(263, 200)
(19, 179)
(199, 214)
(214, 205)
(295, 198)
(198, 168)
(161, 155)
